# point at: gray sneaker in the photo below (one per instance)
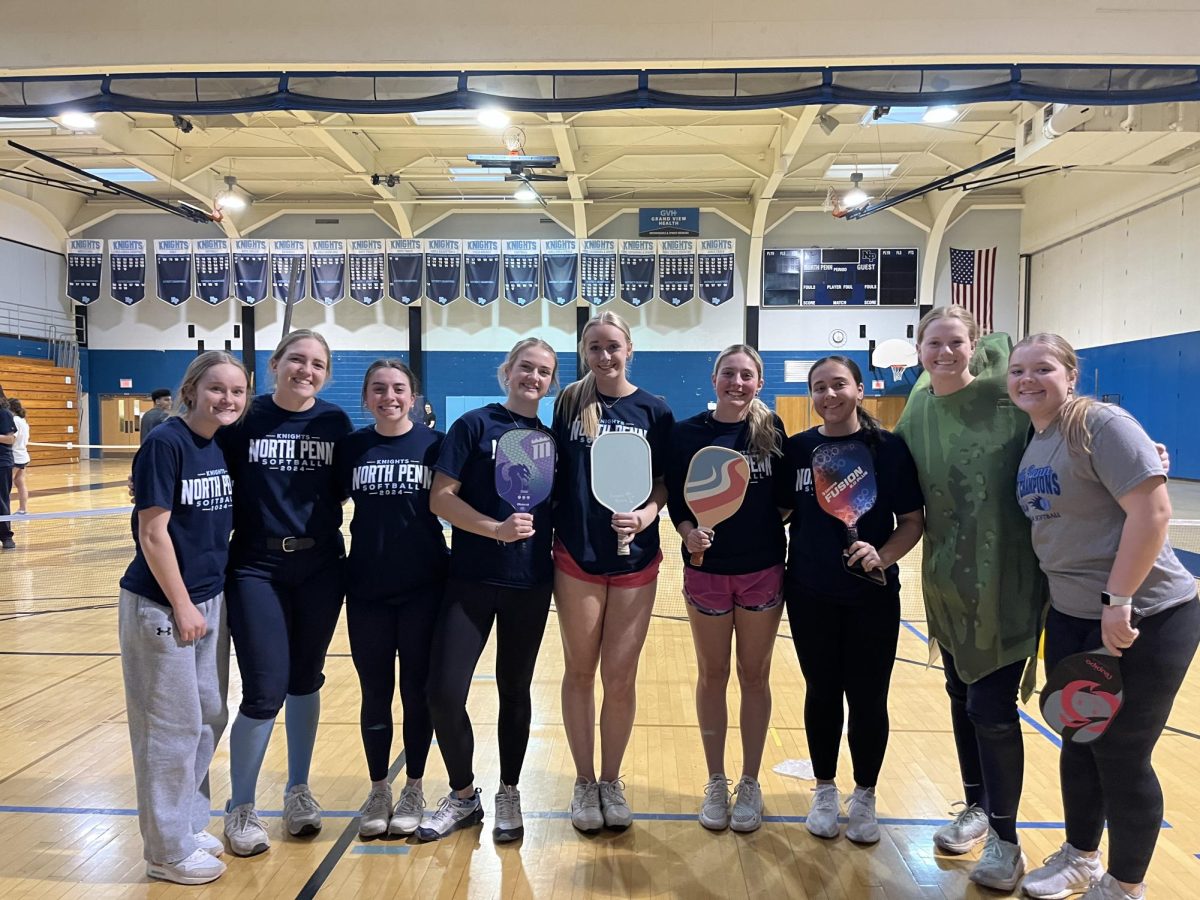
(1063, 873)
(748, 807)
(617, 814)
(863, 827)
(968, 828)
(200, 867)
(714, 812)
(452, 814)
(406, 817)
(376, 812)
(301, 812)
(1001, 865)
(509, 824)
(822, 818)
(209, 844)
(585, 808)
(245, 832)
(1106, 888)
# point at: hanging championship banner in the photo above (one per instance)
(560, 271)
(288, 261)
(637, 272)
(366, 271)
(520, 272)
(676, 271)
(173, 271)
(443, 270)
(127, 270)
(405, 264)
(251, 269)
(716, 270)
(327, 268)
(481, 260)
(598, 271)
(212, 270)
(85, 262)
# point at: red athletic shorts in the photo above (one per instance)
(716, 595)
(567, 565)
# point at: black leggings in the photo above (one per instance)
(381, 630)
(462, 632)
(1113, 778)
(846, 651)
(987, 736)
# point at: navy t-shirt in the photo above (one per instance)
(8, 425)
(180, 471)
(468, 455)
(817, 539)
(584, 526)
(752, 538)
(282, 463)
(396, 543)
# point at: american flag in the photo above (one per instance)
(972, 275)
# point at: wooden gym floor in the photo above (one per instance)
(68, 825)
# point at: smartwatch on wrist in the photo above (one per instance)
(1108, 599)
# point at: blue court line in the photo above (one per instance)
(1190, 560)
(381, 849)
(69, 514)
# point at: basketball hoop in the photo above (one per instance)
(898, 371)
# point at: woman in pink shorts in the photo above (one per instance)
(738, 586)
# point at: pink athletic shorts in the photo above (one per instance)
(717, 595)
(565, 563)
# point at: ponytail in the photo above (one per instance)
(580, 398)
(868, 425)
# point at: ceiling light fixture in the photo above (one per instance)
(493, 117)
(229, 200)
(77, 121)
(856, 196)
(525, 194)
(939, 115)
(828, 123)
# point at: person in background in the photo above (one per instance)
(157, 414)
(20, 456)
(429, 419)
(8, 437)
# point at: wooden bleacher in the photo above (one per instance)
(51, 399)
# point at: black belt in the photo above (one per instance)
(290, 544)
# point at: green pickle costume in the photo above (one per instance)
(984, 592)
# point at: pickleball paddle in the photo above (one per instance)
(621, 475)
(716, 483)
(524, 471)
(1083, 695)
(844, 479)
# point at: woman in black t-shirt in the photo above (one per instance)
(844, 626)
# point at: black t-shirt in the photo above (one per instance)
(396, 543)
(468, 455)
(8, 425)
(584, 526)
(180, 471)
(282, 463)
(751, 539)
(817, 539)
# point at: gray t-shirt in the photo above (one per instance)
(1071, 499)
(151, 419)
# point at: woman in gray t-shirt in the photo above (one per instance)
(1093, 487)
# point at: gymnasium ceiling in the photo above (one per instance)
(730, 162)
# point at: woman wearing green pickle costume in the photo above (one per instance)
(984, 592)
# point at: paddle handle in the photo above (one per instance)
(623, 544)
(879, 576)
(698, 558)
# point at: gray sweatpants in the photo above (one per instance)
(175, 698)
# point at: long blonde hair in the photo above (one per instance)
(301, 334)
(1072, 417)
(580, 398)
(195, 371)
(502, 373)
(949, 312)
(763, 440)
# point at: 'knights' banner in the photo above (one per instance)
(366, 271)
(520, 272)
(251, 270)
(676, 271)
(288, 262)
(85, 262)
(127, 270)
(598, 271)
(443, 270)
(327, 265)
(173, 270)
(716, 270)
(637, 272)
(560, 271)
(482, 260)
(405, 263)
(212, 270)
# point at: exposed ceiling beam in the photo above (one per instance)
(565, 144)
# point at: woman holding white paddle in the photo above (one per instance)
(734, 583)
(603, 597)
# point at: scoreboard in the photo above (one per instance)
(840, 276)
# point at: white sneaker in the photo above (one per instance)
(245, 832)
(208, 843)
(864, 826)
(301, 811)
(822, 818)
(406, 817)
(585, 808)
(1106, 888)
(714, 812)
(616, 812)
(1063, 873)
(748, 807)
(1001, 865)
(509, 824)
(376, 812)
(968, 828)
(452, 814)
(199, 868)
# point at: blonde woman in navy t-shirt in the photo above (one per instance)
(172, 620)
